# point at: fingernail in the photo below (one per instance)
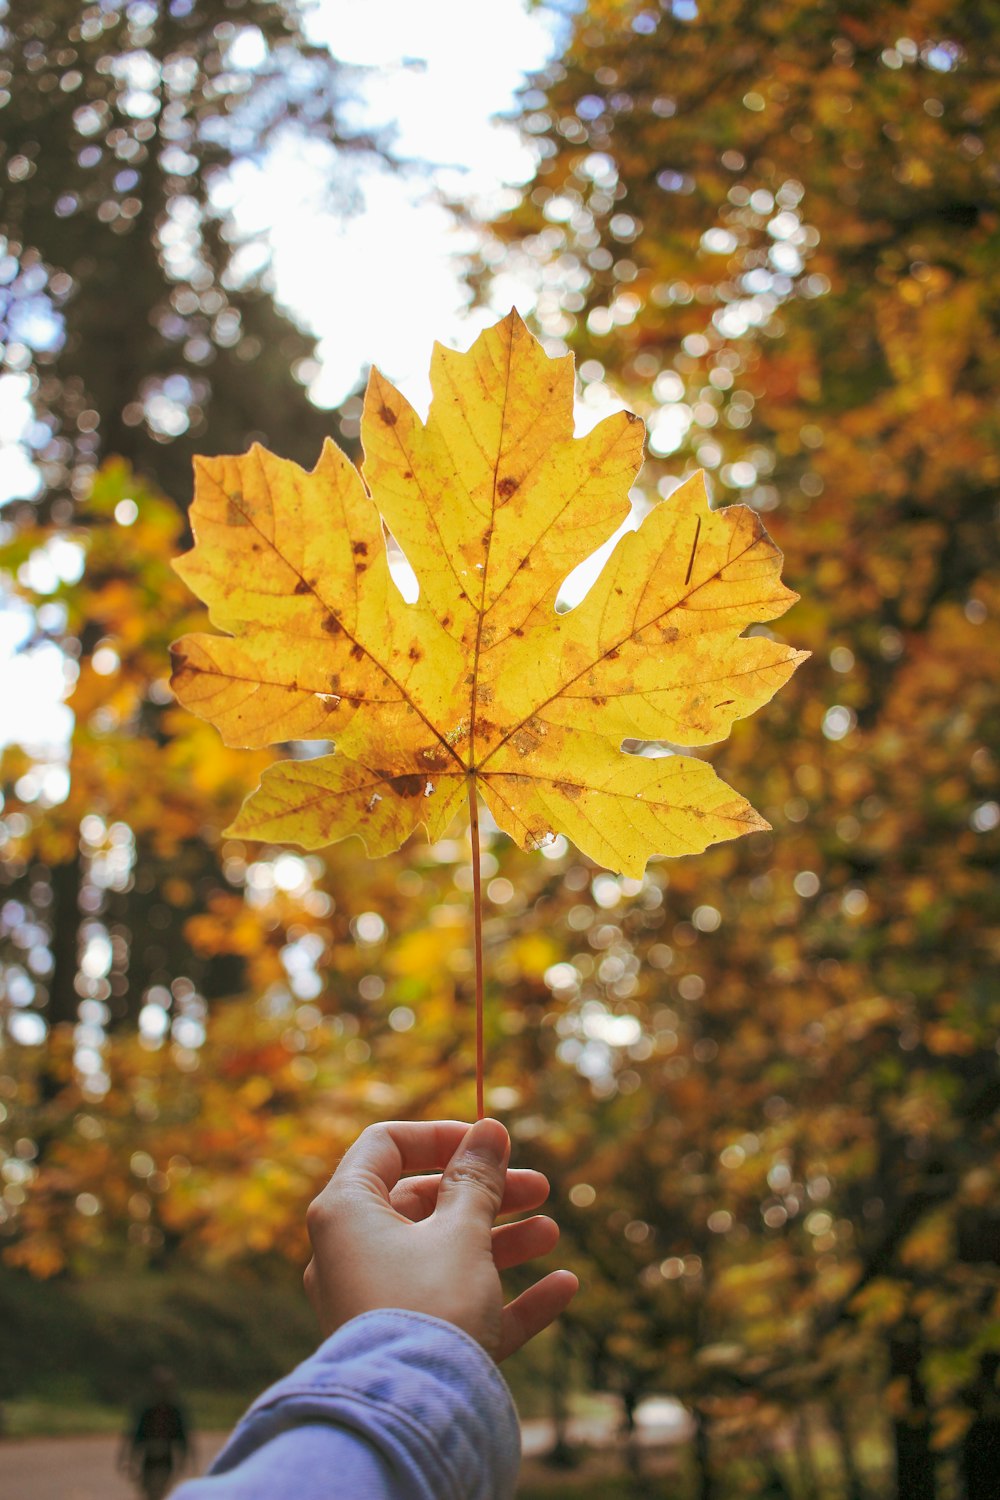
(487, 1138)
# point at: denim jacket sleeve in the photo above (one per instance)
(393, 1406)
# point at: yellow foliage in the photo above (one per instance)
(881, 1304)
(931, 1245)
(534, 953)
(950, 1426)
(424, 951)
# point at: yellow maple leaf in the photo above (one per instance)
(480, 684)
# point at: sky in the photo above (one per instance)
(377, 287)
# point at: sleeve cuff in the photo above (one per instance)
(419, 1389)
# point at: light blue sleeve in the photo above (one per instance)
(394, 1406)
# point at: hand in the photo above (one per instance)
(427, 1243)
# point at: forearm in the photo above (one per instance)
(394, 1406)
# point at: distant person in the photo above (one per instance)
(157, 1445)
(403, 1400)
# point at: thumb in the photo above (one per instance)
(472, 1183)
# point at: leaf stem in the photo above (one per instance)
(477, 911)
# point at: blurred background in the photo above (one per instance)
(765, 1081)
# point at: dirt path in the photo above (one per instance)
(81, 1468)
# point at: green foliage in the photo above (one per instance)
(95, 1342)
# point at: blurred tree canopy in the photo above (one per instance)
(139, 317)
(773, 229)
(765, 1081)
(138, 321)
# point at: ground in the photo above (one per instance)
(83, 1468)
(80, 1468)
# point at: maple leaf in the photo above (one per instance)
(480, 684)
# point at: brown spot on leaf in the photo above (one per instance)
(613, 654)
(302, 587)
(669, 633)
(525, 742)
(408, 786)
(414, 653)
(360, 549)
(569, 789)
(331, 625)
(357, 652)
(524, 563)
(517, 631)
(508, 486)
(600, 702)
(388, 416)
(436, 758)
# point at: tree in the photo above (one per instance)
(771, 230)
(137, 325)
(141, 325)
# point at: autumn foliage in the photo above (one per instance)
(764, 1079)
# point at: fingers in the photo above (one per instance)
(473, 1182)
(535, 1309)
(513, 1244)
(383, 1153)
(416, 1197)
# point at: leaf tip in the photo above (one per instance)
(692, 493)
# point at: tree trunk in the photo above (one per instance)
(854, 1485)
(916, 1468)
(63, 998)
(705, 1489)
(916, 1478)
(981, 1459)
(560, 1455)
(808, 1481)
(775, 1485)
